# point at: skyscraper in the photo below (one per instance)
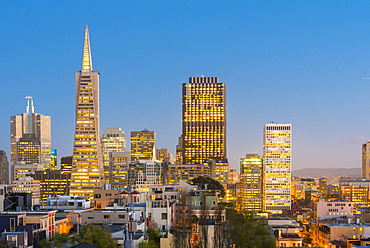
(113, 140)
(277, 157)
(250, 183)
(4, 168)
(87, 166)
(142, 145)
(203, 121)
(34, 130)
(365, 172)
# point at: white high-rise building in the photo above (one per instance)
(277, 161)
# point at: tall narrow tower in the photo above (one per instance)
(277, 159)
(203, 121)
(87, 166)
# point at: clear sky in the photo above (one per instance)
(299, 62)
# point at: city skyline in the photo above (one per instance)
(311, 68)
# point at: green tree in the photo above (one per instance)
(92, 234)
(98, 236)
(61, 240)
(211, 184)
(247, 231)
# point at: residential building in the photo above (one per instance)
(250, 196)
(203, 121)
(35, 130)
(142, 145)
(331, 209)
(113, 140)
(4, 168)
(277, 157)
(87, 165)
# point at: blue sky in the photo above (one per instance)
(299, 62)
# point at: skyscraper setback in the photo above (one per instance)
(203, 121)
(87, 166)
(30, 136)
(277, 157)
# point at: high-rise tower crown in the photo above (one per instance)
(86, 53)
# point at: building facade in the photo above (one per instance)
(4, 168)
(30, 131)
(87, 165)
(277, 157)
(118, 169)
(250, 194)
(142, 145)
(203, 121)
(113, 140)
(365, 172)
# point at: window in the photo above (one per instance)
(108, 194)
(97, 195)
(121, 216)
(90, 218)
(164, 216)
(20, 221)
(106, 216)
(12, 224)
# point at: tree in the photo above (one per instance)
(98, 236)
(211, 184)
(61, 240)
(247, 231)
(92, 234)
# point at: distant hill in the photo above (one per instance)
(318, 172)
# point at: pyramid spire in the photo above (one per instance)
(86, 53)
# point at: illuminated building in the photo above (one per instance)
(27, 185)
(20, 169)
(4, 168)
(322, 185)
(250, 196)
(113, 140)
(142, 145)
(87, 165)
(356, 191)
(173, 173)
(27, 126)
(162, 154)
(144, 173)
(66, 164)
(365, 173)
(52, 183)
(277, 167)
(54, 159)
(28, 149)
(203, 121)
(118, 169)
(233, 176)
(219, 170)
